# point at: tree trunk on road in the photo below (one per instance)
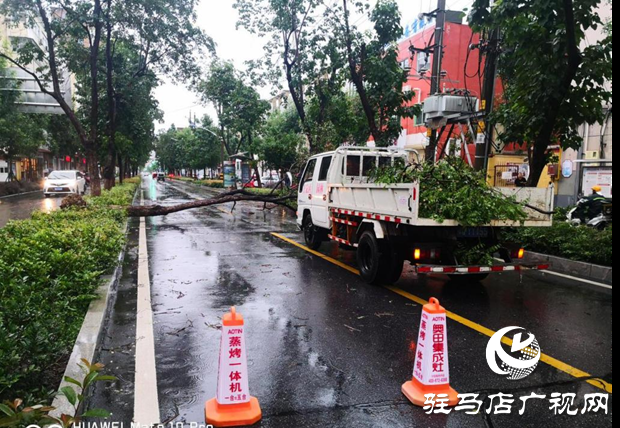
(234, 196)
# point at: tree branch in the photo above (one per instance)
(234, 196)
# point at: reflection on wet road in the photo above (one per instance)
(21, 207)
(324, 348)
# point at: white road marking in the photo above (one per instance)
(574, 278)
(146, 402)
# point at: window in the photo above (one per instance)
(325, 164)
(385, 161)
(353, 166)
(308, 174)
(370, 163)
(418, 120)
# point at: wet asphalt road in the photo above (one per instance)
(21, 207)
(324, 348)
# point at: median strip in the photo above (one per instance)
(146, 402)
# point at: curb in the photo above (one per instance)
(21, 194)
(89, 336)
(582, 270)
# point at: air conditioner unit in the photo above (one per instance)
(592, 154)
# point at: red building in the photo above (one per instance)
(461, 69)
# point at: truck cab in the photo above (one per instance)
(338, 168)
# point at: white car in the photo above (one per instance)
(270, 181)
(64, 182)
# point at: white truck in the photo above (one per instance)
(339, 202)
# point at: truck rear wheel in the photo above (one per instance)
(369, 258)
(312, 234)
(394, 264)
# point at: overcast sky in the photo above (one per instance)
(218, 19)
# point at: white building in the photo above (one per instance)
(33, 100)
(592, 163)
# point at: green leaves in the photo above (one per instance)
(580, 243)
(240, 110)
(452, 190)
(70, 395)
(20, 416)
(376, 72)
(543, 103)
(97, 413)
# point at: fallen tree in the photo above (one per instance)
(279, 199)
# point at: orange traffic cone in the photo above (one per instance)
(233, 406)
(431, 373)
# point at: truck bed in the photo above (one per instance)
(401, 203)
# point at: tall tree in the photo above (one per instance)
(189, 149)
(281, 141)
(60, 21)
(160, 36)
(288, 26)
(240, 111)
(375, 71)
(552, 86)
(81, 36)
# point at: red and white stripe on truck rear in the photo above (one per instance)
(456, 270)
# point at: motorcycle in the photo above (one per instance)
(579, 215)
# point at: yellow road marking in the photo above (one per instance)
(557, 364)
(316, 253)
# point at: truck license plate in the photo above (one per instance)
(473, 232)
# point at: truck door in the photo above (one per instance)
(304, 199)
(320, 199)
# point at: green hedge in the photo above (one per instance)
(50, 267)
(581, 243)
(216, 184)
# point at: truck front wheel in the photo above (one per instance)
(312, 234)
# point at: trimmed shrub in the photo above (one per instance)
(578, 243)
(50, 267)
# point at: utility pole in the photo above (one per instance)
(483, 150)
(440, 25)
